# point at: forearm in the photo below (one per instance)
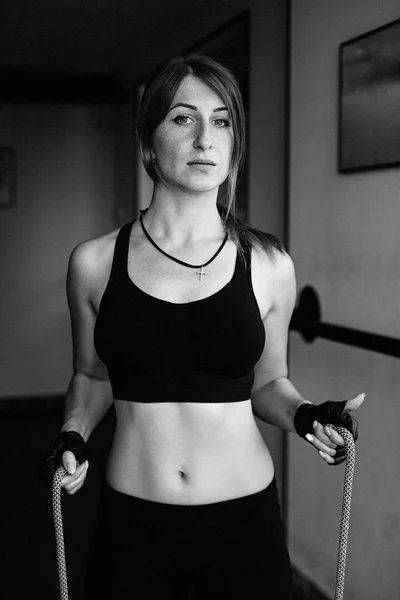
(276, 403)
(87, 401)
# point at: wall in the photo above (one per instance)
(344, 242)
(70, 176)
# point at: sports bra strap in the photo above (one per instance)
(120, 258)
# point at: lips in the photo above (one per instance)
(200, 161)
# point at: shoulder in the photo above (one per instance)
(274, 275)
(90, 261)
(273, 258)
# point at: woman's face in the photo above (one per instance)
(193, 145)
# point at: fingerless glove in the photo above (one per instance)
(66, 440)
(327, 413)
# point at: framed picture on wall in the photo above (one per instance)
(369, 100)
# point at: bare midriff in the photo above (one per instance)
(188, 453)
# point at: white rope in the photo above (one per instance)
(59, 532)
(346, 506)
(344, 521)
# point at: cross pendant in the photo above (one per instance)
(200, 274)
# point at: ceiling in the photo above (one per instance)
(124, 37)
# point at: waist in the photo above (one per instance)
(183, 387)
(162, 514)
(188, 453)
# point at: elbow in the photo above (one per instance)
(262, 384)
(89, 374)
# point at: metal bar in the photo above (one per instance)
(361, 339)
(306, 320)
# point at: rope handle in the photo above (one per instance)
(346, 506)
(59, 532)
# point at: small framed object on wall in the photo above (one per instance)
(369, 100)
(8, 177)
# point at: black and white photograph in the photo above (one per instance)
(199, 299)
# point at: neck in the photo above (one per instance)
(184, 218)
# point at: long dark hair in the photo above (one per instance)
(157, 97)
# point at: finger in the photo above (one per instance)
(69, 479)
(334, 436)
(320, 445)
(75, 482)
(339, 458)
(69, 462)
(72, 490)
(354, 403)
(320, 434)
(328, 459)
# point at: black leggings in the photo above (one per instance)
(230, 550)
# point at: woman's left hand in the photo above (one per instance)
(327, 441)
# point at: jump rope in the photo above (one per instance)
(344, 520)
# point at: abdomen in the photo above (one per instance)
(188, 453)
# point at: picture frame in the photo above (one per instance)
(8, 177)
(369, 100)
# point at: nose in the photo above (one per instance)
(203, 139)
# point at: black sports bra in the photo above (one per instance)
(158, 351)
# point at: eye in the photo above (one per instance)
(182, 119)
(220, 123)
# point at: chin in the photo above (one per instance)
(195, 184)
(203, 184)
(201, 189)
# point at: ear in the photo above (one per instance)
(148, 156)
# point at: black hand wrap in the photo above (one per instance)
(327, 413)
(66, 441)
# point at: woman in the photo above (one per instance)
(186, 312)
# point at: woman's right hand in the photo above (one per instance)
(76, 474)
(68, 450)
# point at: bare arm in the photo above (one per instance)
(274, 398)
(89, 392)
(87, 401)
